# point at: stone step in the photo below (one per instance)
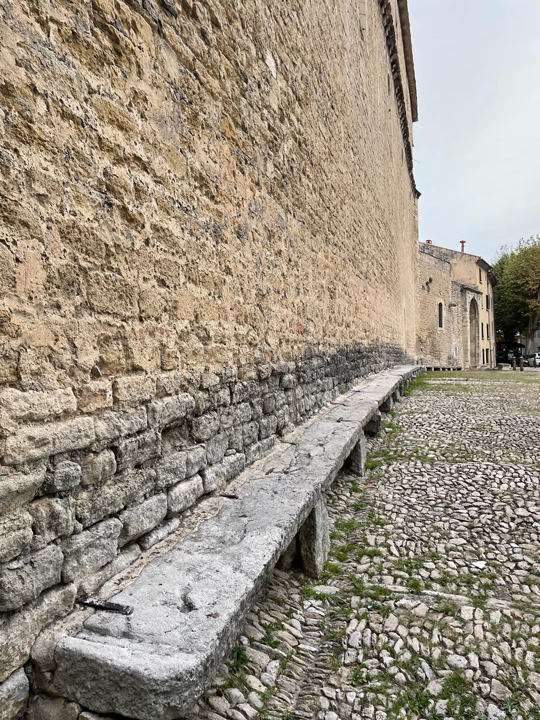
(190, 604)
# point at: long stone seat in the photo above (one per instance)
(190, 604)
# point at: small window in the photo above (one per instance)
(487, 356)
(482, 331)
(480, 274)
(487, 329)
(440, 315)
(487, 302)
(483, 357)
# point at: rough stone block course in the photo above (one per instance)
(169, 410)
(23, 579)
(267, 426)
(14, 695)
(51, 518)
(95, 395)
(122, 490)
(257, 450)
(111, 425)
(66, 475)
(159, 533)
(195, 460)
(184, 494)
(204, 427)
(15, 534)
(97, 468)
(90, 583)
(19, 488)
(142, 518)
(18, 632)
(41, 441)
(217, 475)
(32, 406)
(134, 389)
(216, 448)
(90, 550)
(136, 450)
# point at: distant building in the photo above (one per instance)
(454, 309)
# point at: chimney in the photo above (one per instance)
(428, 242)
(462, 245)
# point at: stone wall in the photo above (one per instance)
(208, 230)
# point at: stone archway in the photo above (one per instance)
(473, 334)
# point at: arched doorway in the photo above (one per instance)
(473, 330)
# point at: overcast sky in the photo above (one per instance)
(477, 141)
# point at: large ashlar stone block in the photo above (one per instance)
(184, 494)
(141, 519)
(195, 460)
(138, 449)
(67, 475)
(314, 540)
(22, 580)
(18, 489)
(134, 389)
(92, 582)
(18, 632)
(357, 458)
(124, 489)
(171, 469)
(169, 410)
(217, 475)
(95, 395)
(23, 407)
(13, 695)
(33, 443)
(91, 550)
(52, 518)
(15, 534)
(97, 468)
(112, 425)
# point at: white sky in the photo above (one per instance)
(477, 141)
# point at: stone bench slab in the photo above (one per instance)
(190, 604)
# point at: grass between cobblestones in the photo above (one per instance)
(435, 561)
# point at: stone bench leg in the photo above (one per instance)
(314, 540)
(374, 425)
(357, 458)
(387, 405)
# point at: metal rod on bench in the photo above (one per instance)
(106, 605)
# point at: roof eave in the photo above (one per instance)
(409, 62)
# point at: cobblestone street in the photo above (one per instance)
(430, 602)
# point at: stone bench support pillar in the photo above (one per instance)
(314, 540)
(374, 425)
(388, 404)
(357, 458)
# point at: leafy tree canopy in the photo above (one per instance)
(517, 293)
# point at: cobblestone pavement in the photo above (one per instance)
(430, 603)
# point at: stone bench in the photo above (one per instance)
(190, 604)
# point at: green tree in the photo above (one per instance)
(517, 293)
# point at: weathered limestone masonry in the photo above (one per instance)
(208, 230)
